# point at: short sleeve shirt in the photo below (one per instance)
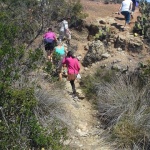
(63, 25)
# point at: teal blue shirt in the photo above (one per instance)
(60, 50)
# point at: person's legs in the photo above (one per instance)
(48, 55)
(61, 35)
(68, 38)
(60, 70)
(127, 17)
(73, 86)
(51, 47)
(126, 14)
(47, 48)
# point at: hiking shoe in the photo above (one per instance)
(74, 92)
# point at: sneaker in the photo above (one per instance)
(74, 92)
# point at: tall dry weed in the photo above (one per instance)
(124, 108)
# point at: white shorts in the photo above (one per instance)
(63, 34)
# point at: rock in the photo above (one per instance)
(86, 47)
(135, 45)
(116, 61)
(120, 42)
(109, 43)
(94, 54)
(106, 55)
(81, 96)
(79, 57)
(119, 49)
(112, 41)
(82, 133)
(103, 66)
(124, 70)
(128, 42)
(66, 142)
(102, 22)
(86, 68)
(116, 67)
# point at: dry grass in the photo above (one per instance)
(124, 109)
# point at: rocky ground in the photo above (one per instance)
(80, 116)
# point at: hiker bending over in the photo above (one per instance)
(125, 10)
(60, 49)
(64, 30)
(73, 68)
(49, 42)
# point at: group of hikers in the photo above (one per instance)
(67, 58)
(127, 9)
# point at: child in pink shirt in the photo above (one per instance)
(73, 68)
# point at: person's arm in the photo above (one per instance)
(44, 36)
(77, 65)
(66, 26)
(68, 31)
(54, 36)
(64, 60)
(119, 11)
(131, 4)
(65, 49)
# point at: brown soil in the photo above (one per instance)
(97, 11)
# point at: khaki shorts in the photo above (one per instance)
(71, 77)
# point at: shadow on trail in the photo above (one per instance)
(118, 26)
(119, 18)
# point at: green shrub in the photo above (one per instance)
(142, 25)
(20, 128)
(128, 134)
(88, 83)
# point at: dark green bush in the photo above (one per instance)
(142, 25)
(89, 82)
(20, 128)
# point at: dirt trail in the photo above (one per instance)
(85, 132)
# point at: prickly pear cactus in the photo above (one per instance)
(142, 25)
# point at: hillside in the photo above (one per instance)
(74, 122)
(85, 132)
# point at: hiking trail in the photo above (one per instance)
(85, 132)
